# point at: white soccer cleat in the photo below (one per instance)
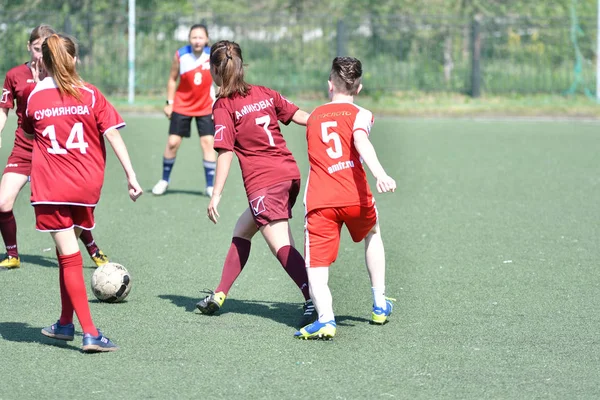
(209, 191)
(160, 188)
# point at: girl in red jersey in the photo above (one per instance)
(247, 123)
(68, 120)
(192, 99)
(19, 82)
(338, 193)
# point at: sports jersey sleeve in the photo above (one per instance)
(26, 125)
(285, 109)
(107, 116)
(7, 100)
(224, 128)
(363, 122)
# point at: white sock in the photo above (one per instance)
(379, 296)
(326, 317)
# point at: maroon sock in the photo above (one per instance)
(293, 263)
(8, 228)
(72, 266)
(236, 259)
(87, 239)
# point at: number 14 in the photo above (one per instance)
(74, 141)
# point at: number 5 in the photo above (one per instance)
(336, 151)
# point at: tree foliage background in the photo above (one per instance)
(527, 46)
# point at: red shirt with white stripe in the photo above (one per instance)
(69, 154)
(195, 94)
(17, 86)
(337, 177)
(249, 126)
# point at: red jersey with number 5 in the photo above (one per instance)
(69, 154)
(249, 126)
(337, 177)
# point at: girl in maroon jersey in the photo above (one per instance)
(69, 120)
(19, 82)
(247, 124)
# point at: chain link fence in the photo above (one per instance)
(293, 53)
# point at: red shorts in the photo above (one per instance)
(19, 162)
(322, 229)
(274, 202)
(61, 217)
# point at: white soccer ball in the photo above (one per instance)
(111, 283)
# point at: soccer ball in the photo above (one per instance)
(111, 283)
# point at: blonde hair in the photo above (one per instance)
(59, 52)
(40, 31)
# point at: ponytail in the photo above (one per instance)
(59, 53)
(227, 62)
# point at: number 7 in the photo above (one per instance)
(265, 120)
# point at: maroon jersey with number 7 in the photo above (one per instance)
(249, 126)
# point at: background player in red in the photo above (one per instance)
(19, 82)
(193, 98)
(69, 120)
(337, 193)
(246, 122)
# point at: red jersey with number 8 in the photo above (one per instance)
(69, 154)
(337, 177)
(249, 126)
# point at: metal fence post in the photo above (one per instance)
(341, 38)
(476, 57)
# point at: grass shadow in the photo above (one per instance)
(42, 261)
(23, 333)
(181, 191)
(284, 313)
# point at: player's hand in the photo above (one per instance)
(212, 212)
(386, 184)
(168, 110)
(135, 189)
(37, 70)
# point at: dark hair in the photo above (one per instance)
(227, 62)
(58, 52)
(199, 26)
(40, 31)
(346, 74)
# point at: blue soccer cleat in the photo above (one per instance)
(317, 330)
(380, 315)
(97, 344)
(60, 332)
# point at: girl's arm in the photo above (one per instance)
(367, 152)
(116, 141)
(172, 86)
(224, 160)
(300, 117)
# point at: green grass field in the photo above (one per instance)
(492, 248)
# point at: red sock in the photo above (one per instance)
(293, 263)
(66, 313)
(236, 259)
(72, 266)
(87, 239)
(8, 228)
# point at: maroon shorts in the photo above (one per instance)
(19, 162)
(61, 217)
(274, 202)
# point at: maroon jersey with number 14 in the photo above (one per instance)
(249, 127)
(69, 154)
